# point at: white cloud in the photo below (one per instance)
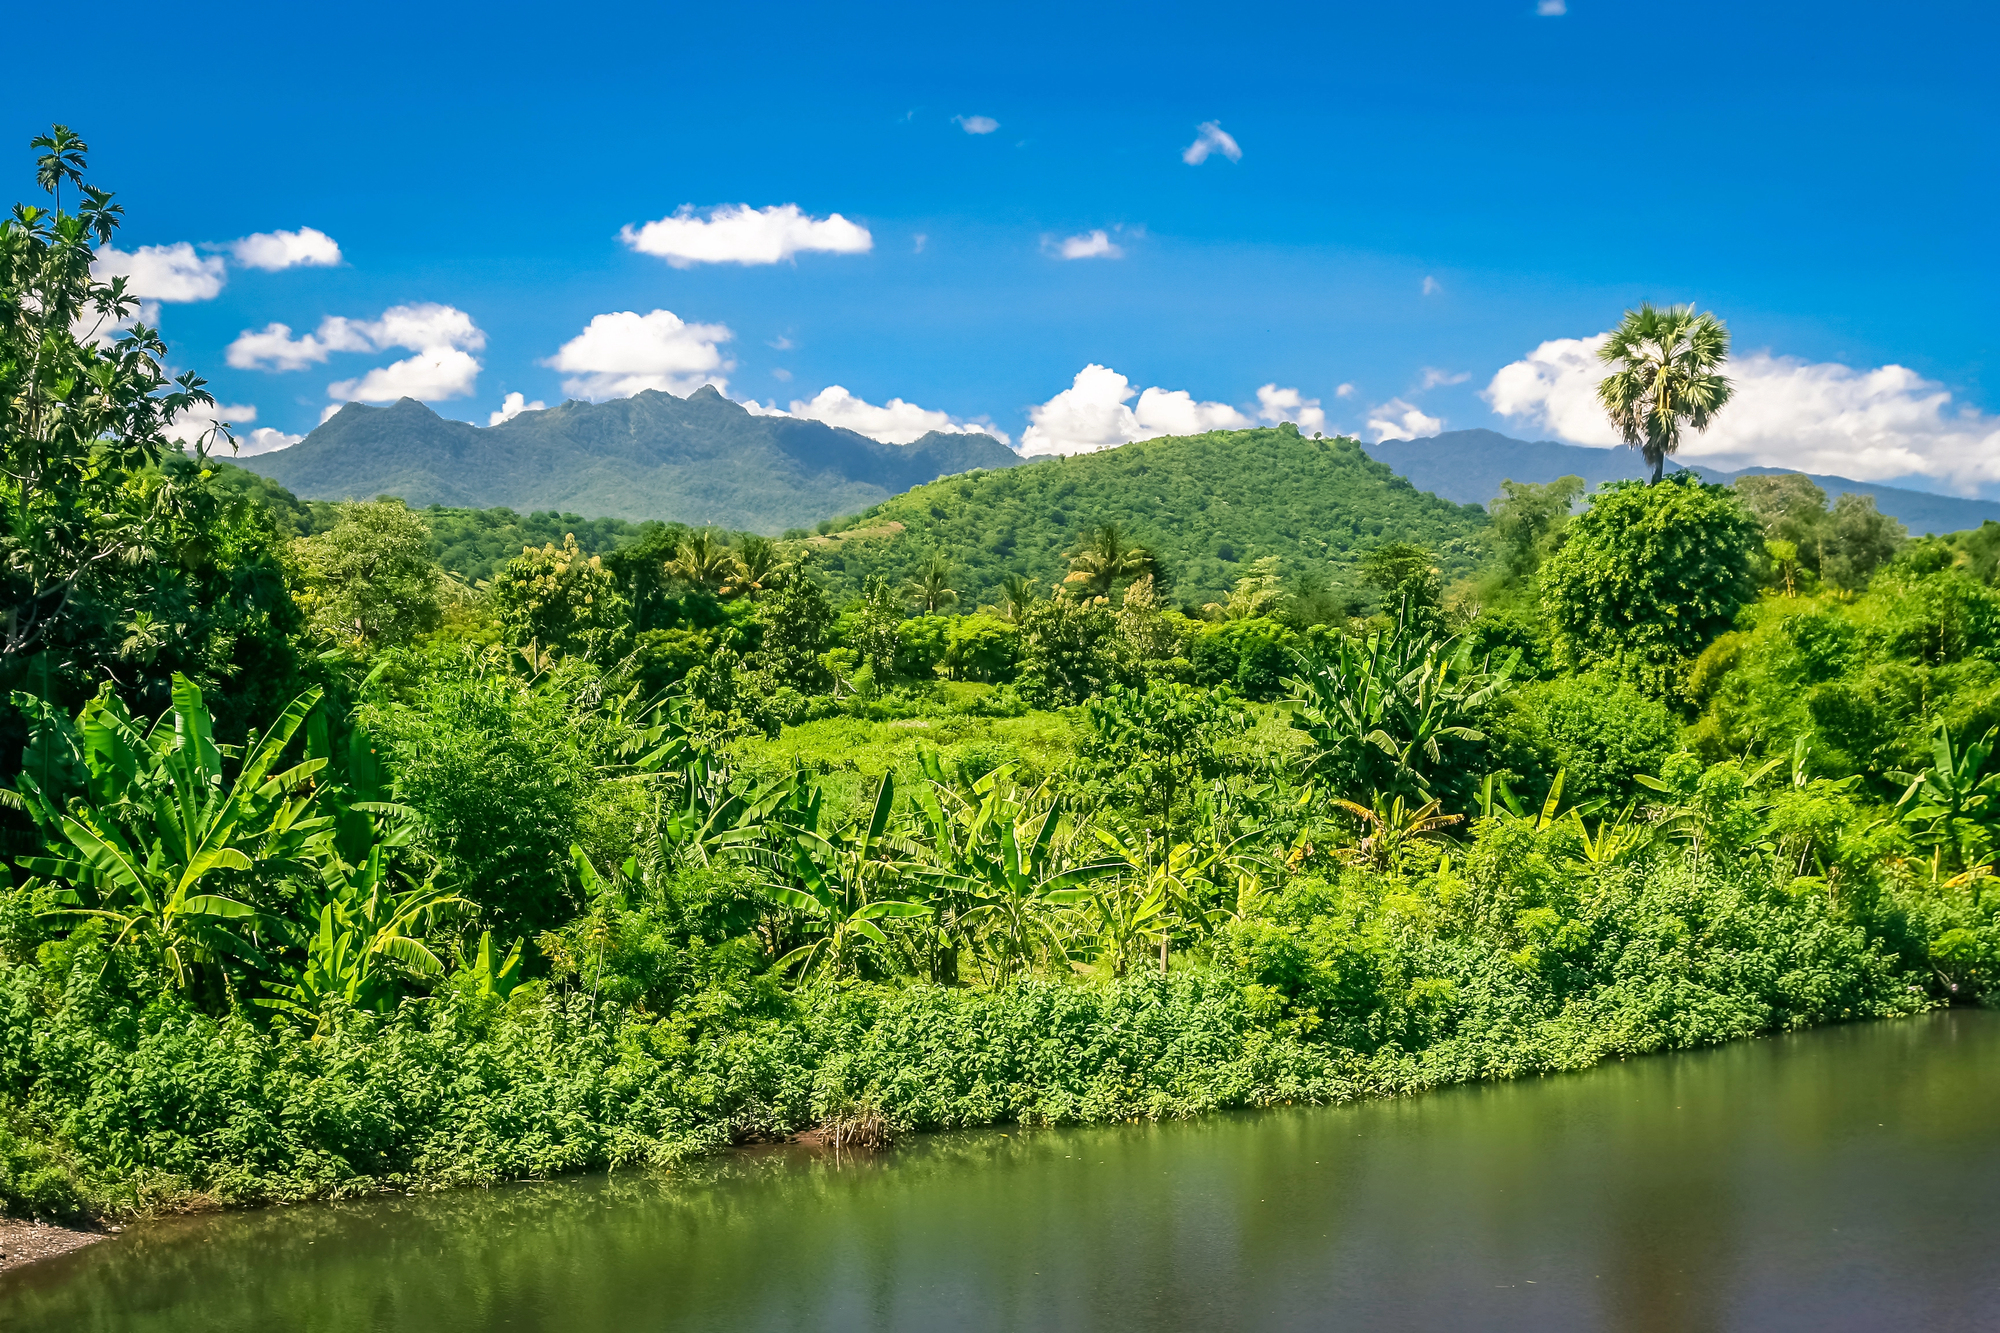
(1092, 414)
(1550, 9)
(780, 374)
(443, 338)
(1087, 416)
(431, 375)
(162, 272)
(264, 440)
(1432, 286)
(895, 422)
(1090, 245)
(273, 347)
(977, 124)
(1398, 420)
(1211, 138)
(1434, 377)
(623, 353)
(1276, 405)
(513, 405)
(274, 250)
(1344, 391)
(740, 234)
(1176, 412)
(1872, 425)
(329, 412)
(920, 240)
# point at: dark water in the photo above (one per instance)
(1845, 1179)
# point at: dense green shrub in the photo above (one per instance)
(1599, 731)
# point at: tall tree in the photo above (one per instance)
(932, 586)
(1666, 375)
(85, 405)
(1107, 556)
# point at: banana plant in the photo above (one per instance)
(1156, 885)
(491, 979)
(158, 840)
(838, 882)
(1394, 828)
(367, 940)
(1954, 803)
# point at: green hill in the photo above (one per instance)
(699, 460)
(1206, 504)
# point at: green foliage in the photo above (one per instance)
(1647, 577)
(496, 771)
(1205, 507)
(369, 581)
(560, 597)
(1842, 548)
(922, 643)
(1149, 748)
(982, 647)
(797, 622)
(1529, 520)
(1598, 730)
(1066, 651)
(1393, 715)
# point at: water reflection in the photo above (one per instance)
(1841, 1179)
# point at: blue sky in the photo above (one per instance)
(1427, 204)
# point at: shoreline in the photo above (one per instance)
(23, 1242)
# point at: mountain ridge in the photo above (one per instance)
(1467, 466)
(701, 460)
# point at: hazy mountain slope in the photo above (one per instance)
(700, 459)
(1469, 465)
(1209, 504)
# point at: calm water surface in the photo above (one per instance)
(1845, 1179)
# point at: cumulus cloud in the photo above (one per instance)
(1211, 138)
(162, 272)
(1275, 405)
(895, 422)
(623, 353)
(1434, 377)
(1398, 420)
(443, 338)
(273, 250)
(429, 376)
(977, 124)
(740, 234)
(1093, 414)
(1870, 424)
(1090, 245)
(442, 335)
(1344, 391)
(513, 405)
(1176, 412)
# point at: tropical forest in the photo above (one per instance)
(354, 847)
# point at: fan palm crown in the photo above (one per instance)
(1666, 362)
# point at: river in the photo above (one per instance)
(1842, 1179)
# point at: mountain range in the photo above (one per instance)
(1469, 465)
(699, 460)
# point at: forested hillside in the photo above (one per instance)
(698, 460)
(1206, 506)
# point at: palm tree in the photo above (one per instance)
(702, 561)
(756, 562)
(932, 585)
(1666, 376)
(1016, 592)
(1105, 557)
